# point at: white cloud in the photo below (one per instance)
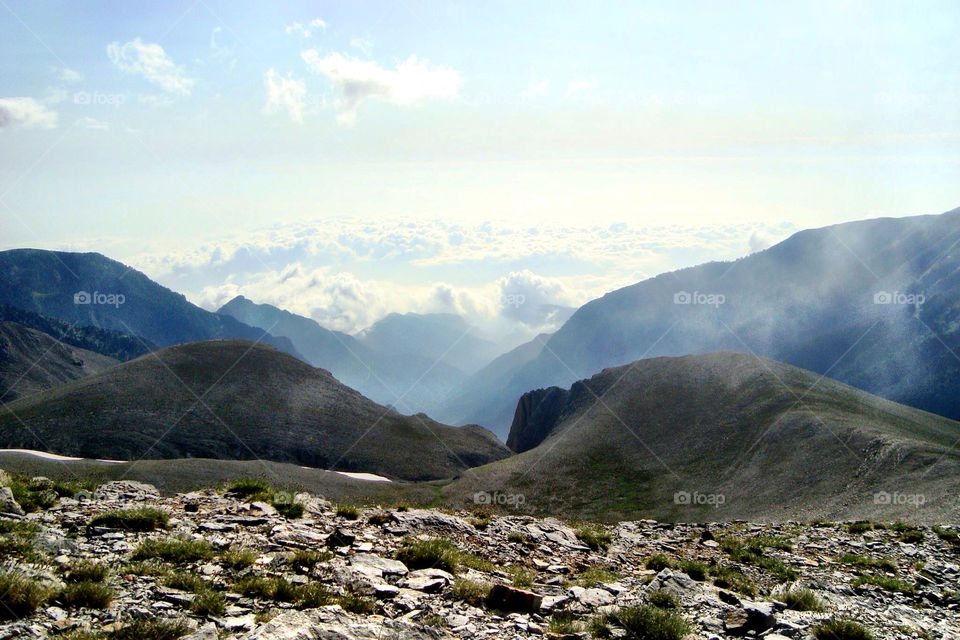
(305, 31)
(285, 94)
(69, 75)
(154, 100)
(578, 86)
(92, 123)
(25, 112)
(151, 62)
(412, 82)
(535, 89)
(365, 45)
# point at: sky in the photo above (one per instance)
(345, 160)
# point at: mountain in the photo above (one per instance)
(840, 301)
(88, 289)
(390, 374)
(719, 436)
(32, 361)
(113, 344)
(239, 400)
(469, 397)
(438, 337)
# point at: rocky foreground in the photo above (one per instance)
(125, 562)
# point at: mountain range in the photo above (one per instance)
(875, 304)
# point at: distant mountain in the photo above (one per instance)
(841, 301)
(383, 365)
(239, 400)
(469, 398)
(721, 436)
(438, 337)
(113, 344)
(88, 289)
(31, 361)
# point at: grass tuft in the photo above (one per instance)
(140, 519)
(840, 629)
(175, 550)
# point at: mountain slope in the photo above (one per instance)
(807, 301)
(32, 361)
(773, 440)
(239, 400)
(411, 381)
(112, 344)
(46, 282)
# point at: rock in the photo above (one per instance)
(755, 617)
(434, 521)
(512, 599)
(240, 623)
(426, 584)
(675, 582)
(206, 632)
(340, 538)
(8, 504)
(592, 597)
(333, 623)
(375, 565)
(126, 490)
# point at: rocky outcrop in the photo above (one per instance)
(538, 412)
(502, 577)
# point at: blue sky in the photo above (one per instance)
(385, 150)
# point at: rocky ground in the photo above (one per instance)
(216, 564)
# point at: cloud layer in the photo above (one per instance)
(285, 94)
(151, 62)
(413, 81)
(25, 112)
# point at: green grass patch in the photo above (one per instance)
(663, 600)
(86, 594)
(857, 560)
(885, 582)
(186, 581)
(308, 558)
(208, 603)
(651, 623)
(800, 599)
(150, 630)
(85, 571)
(140, 519)
(470, 591)
(175, 550)
(696, 570)
(947, 535)
(20, 596)
(840, 629)
(658, 562)
(438, 553)
(594, 537)
(238, 559)
(522, 578)
(347, 512)
(750, 552)
(594, 575)
(732, 578)
(860, 527)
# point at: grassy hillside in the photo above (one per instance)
(775, 441)
(239, 400)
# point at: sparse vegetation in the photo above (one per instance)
(347, 512)
(20, 596)
(885, 582)
(186, 581)
(651, 623)
(694, 569)
(438, 553)
(840, 629)
(307, 558)
(663, 600)
(175, 550)
(249, 488)
(522, 577)
(750, 552)
(470, 591)
(563, 622)
(860, 527)
(85, 571)
(800, 599)
(238, 559)
(86, 593)
(733, 578)
(594, 537)
(867, 562)
(208, 603)
(140, 519)
(150, 630)
(594, 575)
(658, 562)
(947, 535)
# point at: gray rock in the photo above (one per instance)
(206, 632)
(7, 503)
(421, 519)
(372, 564)
(333, 623)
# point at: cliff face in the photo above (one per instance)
(538, 412)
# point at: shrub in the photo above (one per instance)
(86, 571)
(470, 591)
(651, 623)
(802, 600)
(663, 600)
(92, 595)
(864, 561)
(658, 562)
(594, 537)
(140, 519)
(20, 596)
(433, 553)
(174, 550)
(185, 581)
(886, 583)
(347, 512)
(150, 630)
(208, 603)
(238, 559)
(839, 629)
(307, 559)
